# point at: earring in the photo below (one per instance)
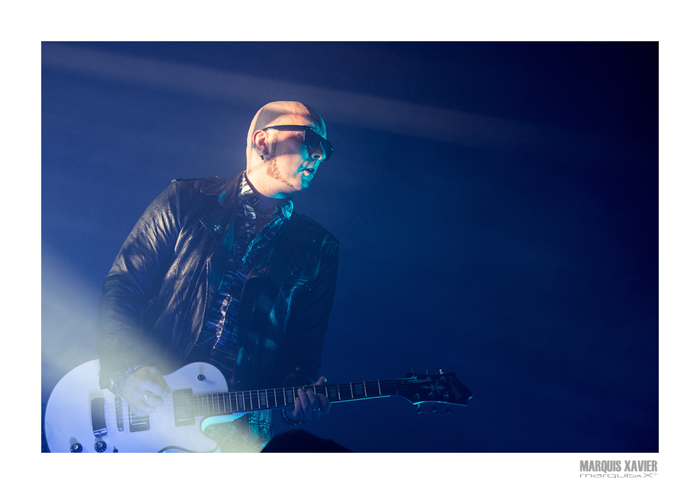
(262, 157)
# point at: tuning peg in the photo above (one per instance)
(448, 410)
(419, 410)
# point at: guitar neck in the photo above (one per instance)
(271, 399)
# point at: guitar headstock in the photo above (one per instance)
(439, 388)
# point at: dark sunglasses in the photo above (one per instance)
(311, 138)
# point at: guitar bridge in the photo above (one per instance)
(119, 413)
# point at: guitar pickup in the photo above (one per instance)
(97, 409)
(182, 407)
(137, 424)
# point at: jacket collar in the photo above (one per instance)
(223, 190)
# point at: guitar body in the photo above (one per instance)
(75, 409)
(82, 418)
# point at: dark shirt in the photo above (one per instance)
(218, 342)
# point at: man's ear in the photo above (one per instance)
(260, 141)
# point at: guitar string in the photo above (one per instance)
(345, 392)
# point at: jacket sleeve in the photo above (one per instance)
(131, 285)
(308, 322)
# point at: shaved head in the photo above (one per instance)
(284, 113)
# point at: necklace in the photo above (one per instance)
(259, 215)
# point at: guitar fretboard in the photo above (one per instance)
(270, 399)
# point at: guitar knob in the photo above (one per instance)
(76, 448)
(434, 409)
(448, 411)
(419, 410)
(100, 446)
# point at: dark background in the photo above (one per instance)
(496, 204)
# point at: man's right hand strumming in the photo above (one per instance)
(144, 389)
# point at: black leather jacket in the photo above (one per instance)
(157, 293)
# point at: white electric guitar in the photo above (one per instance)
(81, 417)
